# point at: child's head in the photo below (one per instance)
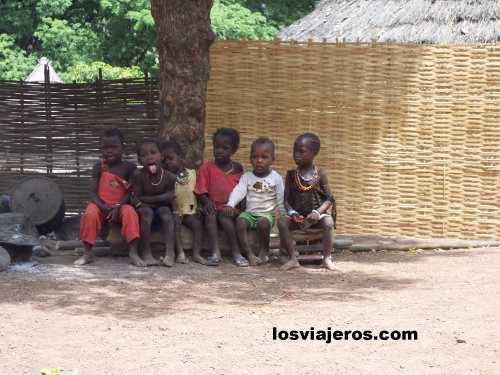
(226, 142)
(112, 145)
(149, 153)
(262, 155)
(172, 156)
(305, 149)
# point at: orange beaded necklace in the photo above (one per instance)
(311, 183)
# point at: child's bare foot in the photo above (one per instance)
(291, 264)
(136, 260)
(169, 259)
(181, 258)
(329, 265)
(199, 259)
(254, 260)
(86, 258)
(264, 258)
(150, 260)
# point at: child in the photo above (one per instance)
(109, 198)
(307, 200)
(216, 179)
(185, 200)
(153, 189)
(263, 190)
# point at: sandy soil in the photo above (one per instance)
(111, 318)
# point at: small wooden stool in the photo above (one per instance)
(308, 252)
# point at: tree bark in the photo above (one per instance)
(183, 37)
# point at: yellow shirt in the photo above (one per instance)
(184, 194)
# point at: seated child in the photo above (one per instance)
(307, 200)
(263, 189)
(216, 179)
(185, 200)
(109, 198)
(153, 188)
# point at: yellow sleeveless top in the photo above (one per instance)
(184, 194)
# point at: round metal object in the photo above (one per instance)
(40, 199)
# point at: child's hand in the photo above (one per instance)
(297, 218)
(114, 214)
(134, 201)
(209, 208)
(313, 217)
(228, 211)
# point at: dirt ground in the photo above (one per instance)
(112, 318)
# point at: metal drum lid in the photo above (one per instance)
(39, 198)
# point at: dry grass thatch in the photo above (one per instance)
(420, 21)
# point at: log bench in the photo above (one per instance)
(308, 242)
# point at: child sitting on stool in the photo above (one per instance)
(307, 200)
(185, 199)
(109, 198)
(153, 188)
(263, 189)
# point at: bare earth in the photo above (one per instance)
(111, 318)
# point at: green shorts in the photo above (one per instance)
(252, 219)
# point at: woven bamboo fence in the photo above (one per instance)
(410, 133)
(54, 129)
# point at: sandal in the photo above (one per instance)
(241, 261)
(213, 260)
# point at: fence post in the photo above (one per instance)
(77, 134)
(149, 97)
(49, 158)
(23, 130)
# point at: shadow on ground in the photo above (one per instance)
(111, 287)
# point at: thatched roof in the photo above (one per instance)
(38, 74)
(420, 21)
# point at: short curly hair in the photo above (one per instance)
(311, 139)
(231, 134)
(114, 132)
(152, 141)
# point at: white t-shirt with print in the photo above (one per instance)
(263, 194)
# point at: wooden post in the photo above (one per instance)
(49, 158)
(77, 144)
(23, 129)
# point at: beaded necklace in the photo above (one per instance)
(311, 182)
(159, 181)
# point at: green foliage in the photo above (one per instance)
(88, 72)
(281, 13)
(14, 64)
(118, 33)
(231, 20)
(66, 45)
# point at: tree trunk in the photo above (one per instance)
(183, 38)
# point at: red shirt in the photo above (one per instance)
(216, 183)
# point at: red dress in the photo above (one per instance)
(216, 183)
(111, 190)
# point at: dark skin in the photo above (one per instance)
(303, 155)
(154, 188)
(223, 151)
(262, 157)
(112, 154)
(174, 164)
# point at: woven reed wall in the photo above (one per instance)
(410, 133)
